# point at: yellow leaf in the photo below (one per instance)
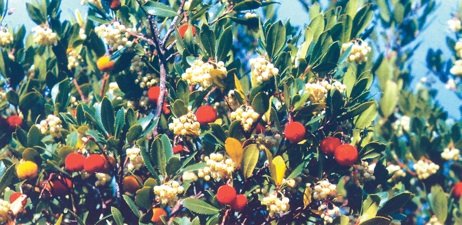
(234, 149)
(278, 169)
(239, 88)
(250, 160)
(307, 196)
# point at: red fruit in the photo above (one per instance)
(329, 144)
(166, 108)
(206, 114)
(95, 163)
(115, 4)
(239, 203)
(74, 162)
(226, 194)
(184, 28)
(131, 183)
(157, 214)
(15, 196)
(59, 187)
(294, 132)
(259, 128)
(178, 149)
(346, 155)
(457, 190)
(153, 93)
(14, 121)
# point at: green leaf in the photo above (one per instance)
(12, 97)
(200, 207)
(159, 9)
(377, 221)
(439, 203)
(35, 14)
(173, 165)
(225, 42)
(107, 115)
(119, 122)
(389, 99)
(144, 197)
(250, 160)
(34, 137)
(260, 103)
(134, 133)
(208, 40)
(117, 215)
(362, 20)
(365, 119)
(247, 5)
(275, 39)
(131, 204)
(395, 204)
(179, 108)
(7, 177)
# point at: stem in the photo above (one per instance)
(174, 21)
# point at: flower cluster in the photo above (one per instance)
(73, 58)
(367, 170)
(167, 193)
(52, 124)
(359, 50)
(4, 211)
(135, 160)
(43, 35)
(454, 24)
(450, 153)
(102, 179)
(146, 81)
(456, 69)
(116, 35)
(269, 140)
(262, 70)
(329, 213)
(189, 176)
(247, 115)
(434, 221)
(185, 125)
(425, 168)
(275, 204)
(396, 172)
(318, 91)
(6, 38)
(232, 99)
(204, 74)
(458, 48)
(217, 167)
(324, 190)
(402, 123)
(137, 65)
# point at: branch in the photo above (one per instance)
(174, 21)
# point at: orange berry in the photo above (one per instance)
(74, 162)
(294, 132)
(184, 28)
(239, 203)
(15, 196)
(206, 114)
(346, 155)
(14, 121)
(95, 163)
(178, 149)
(157, 214)
(131, 184)
(26, 170)
(115, 4)
(226, 194)
(154, 93)
(457, 190)
(105, 64)
(329, 144)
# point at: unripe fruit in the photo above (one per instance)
(178, 149)
(105, 63)
(95, 163)
(59, 187)
(26, 170)
(131, 183)
(115, 4)
(14, 121)
(294, 132)
(157, 214)
(346, 155)
(239, 203)
(226, 194)
(166, 108)
(74, 162)
(206, 114)
(154, 93)
(184, 28)
(15, 196)
(457, 190)
(329, 144)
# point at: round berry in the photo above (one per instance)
(457, 190)
(329, 144)
(74, 162)
(131, 183)
(226, 194)
(16, 195)
(184, 28)
(178, 149)
(239, 203)
(294, 132)
(157, 214)
(346, 155)
(59, 187)
(95, 163)
(14, 121)
(105, 64)
(115, 4)
(26, 170)
(154, 93)
(206, 114)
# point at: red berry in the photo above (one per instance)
(346, 155)
(294, 132)
(15, 196)
(131, 183)
(239, 203)
(153, 93)
(457, 190)
(329, 144)
(184, 28)
(206, 114)
(226, 194)
(59, 187)
(14, 121)
(74, 162)
(178, 149)
(166, 108)
(158, 214)
(115, 4)
(259, 128)
(95, 163)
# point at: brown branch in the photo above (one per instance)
(79, 90)
(173, 24)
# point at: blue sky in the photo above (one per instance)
(291, 9)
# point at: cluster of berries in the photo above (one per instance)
(359, 51)
(344, 154)
(227, 195)
(6, 38)
(94, 163)
(43, 35)
(262, 70)
(204, 74)
(425, 168)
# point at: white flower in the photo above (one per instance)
(425, 168)
(395, 171)
(185, 125)
(324, 190)
(246, 115)
(73, 58)
(135, 161)
(329, 213)
(204, 74)
(262, 70)
(457, 68)
(451, 84)
(359, 51)
(52, 125)
(450, 153)
(167, 193)
(116, 35)
(433, 221)
(275, 204)
(6, 38)
(218, 167)
(454, 24)
(102, 179)
(43, 35)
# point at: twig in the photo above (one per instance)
(79, 90)
(103, 86)
(173, 24)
